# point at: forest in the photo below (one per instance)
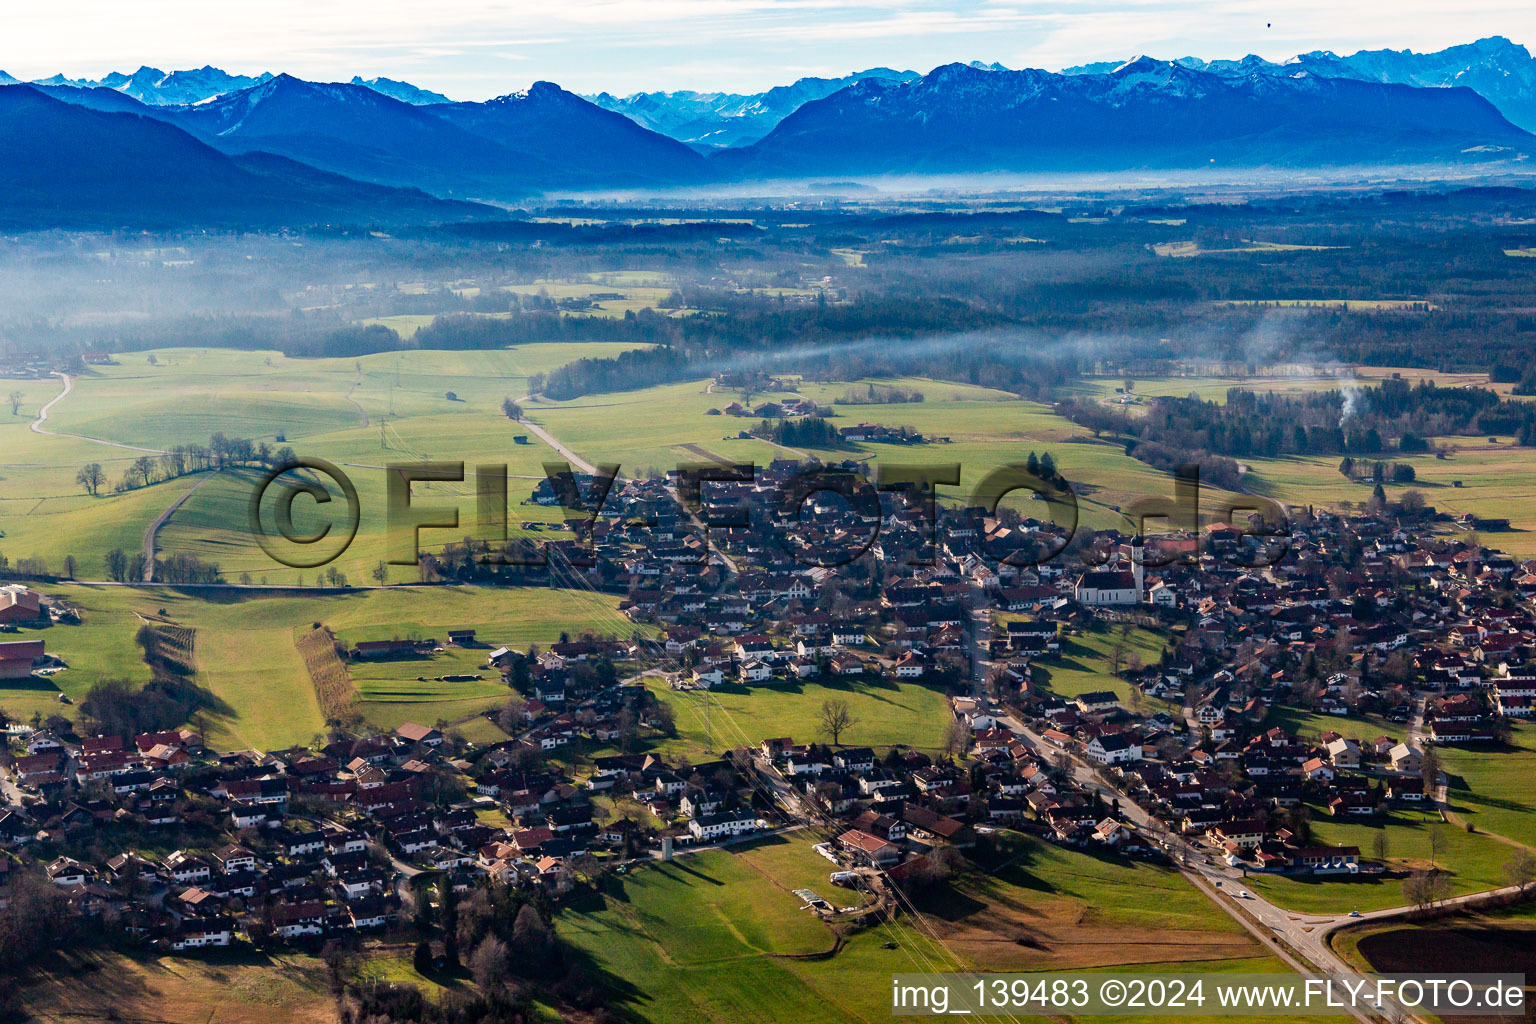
(1019, 292)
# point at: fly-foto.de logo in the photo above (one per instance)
(309, 512)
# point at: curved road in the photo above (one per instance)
(154, 528)
(42, 414)
(1284, 932)
(153, 532)
(586, 467)
(42, 417)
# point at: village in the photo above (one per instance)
(1384, 616)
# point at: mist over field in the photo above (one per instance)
(1134, 562)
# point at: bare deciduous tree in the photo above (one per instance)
(836, 719)
(1520, 871)
(957, 738)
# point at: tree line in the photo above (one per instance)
(184, 460)
(1393, 416)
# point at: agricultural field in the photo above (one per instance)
(367, 413)
(361, 414)
(237, 988)
(397, 691)
(634, 297)
(1491, 788)
(694, 939)
(1498, 940)
(1474, 861)
(980, 429)
(608, 300)
(663, 427)
(1190, 249)
(1079, 910)
(404, 324)
(1213, 387)
(44, 513)
(1490, 478)
(886, 712)
(247, 658)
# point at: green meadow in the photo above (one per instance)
(702, 937)
(1494, 478)
(1474, 861)
(361, 414)
(886, 713)
(656, 428)
(1312, 724)
(1087, 662)
(977, 428)
(364, 414)
(1491, 788)
(247, 660)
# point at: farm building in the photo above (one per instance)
(17, 659)
(20, 604)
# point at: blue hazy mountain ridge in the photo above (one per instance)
(539, 139)
(959, 118)
(403, 91)
(355, 131)
(712, 120)
(72, 166)
(182, 88)
(592, 145)
(157, 88)
(1144, 114)
(1501, 71)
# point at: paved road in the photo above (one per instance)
(554, 442)
(1305, 934)
(569, 455)
(10, 791)
(153, 532)
(1302, 933)
(42, 414)
(42, 417)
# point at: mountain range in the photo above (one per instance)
(183, 88)
(540, 139)
(157, 88)
(279, 143)
(1144, 114)
(713, 120)
(1502, 72)
(72, 166)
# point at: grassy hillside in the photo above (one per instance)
(704, 937)
(246, 655)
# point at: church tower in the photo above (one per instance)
(1138, 571)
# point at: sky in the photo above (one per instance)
(474, 49)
